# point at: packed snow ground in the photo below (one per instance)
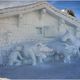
(47, 71)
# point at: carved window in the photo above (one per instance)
(39, 30)
(50, 31)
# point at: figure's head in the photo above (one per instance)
(39, 44)
(18, 48)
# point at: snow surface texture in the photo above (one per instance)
(4, 79)
(61, 49)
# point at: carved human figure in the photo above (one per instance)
(15, 57)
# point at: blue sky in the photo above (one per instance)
(74, 5)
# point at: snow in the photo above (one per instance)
(14, 3)
(36, 52)
(13, 57)
(55, 71)
(4, 79)
(42, 59)
(9, 3)
(39, 58)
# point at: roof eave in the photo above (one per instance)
(35, 6)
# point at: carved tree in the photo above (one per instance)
(70, 12)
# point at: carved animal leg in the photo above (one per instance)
(33, 56)
(67, 59)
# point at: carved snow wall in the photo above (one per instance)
(38, 24)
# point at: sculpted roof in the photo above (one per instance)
(22, 6)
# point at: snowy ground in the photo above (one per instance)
(58, 71)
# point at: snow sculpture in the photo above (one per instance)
(62, 49)
(15, 57)
(37, 52)
(28, 52)
(67, 35)
(72, 49)
(45, 51)
(34, 52)
(69, 52)
(58, 56)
